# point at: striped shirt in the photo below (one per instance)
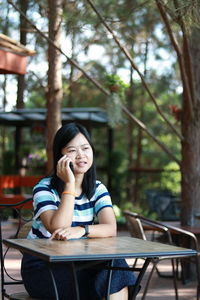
(85, 210)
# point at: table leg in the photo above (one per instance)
(109, 279)
(140, 276)
(74, 277)
(53, 281)
(75, 280)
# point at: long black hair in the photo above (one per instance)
(63, 136)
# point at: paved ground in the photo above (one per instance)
(160, 288)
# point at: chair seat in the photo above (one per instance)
(21, 296)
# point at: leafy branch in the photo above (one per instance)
(102, 89)
(127, 54)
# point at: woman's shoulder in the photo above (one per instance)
(100, 186)
(44, 182)
(98, 183)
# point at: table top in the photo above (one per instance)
(95, 248)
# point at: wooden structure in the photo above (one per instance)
(13, 56)
(91, 117)
(35, 119)
(11, 189)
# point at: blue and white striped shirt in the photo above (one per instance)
(45, 198)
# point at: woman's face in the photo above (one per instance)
(80, 152)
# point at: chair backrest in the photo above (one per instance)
(144, 224)
(21, 224)
(24, 230)
(134, 225)
(169, 230)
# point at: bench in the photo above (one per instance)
(16, 188)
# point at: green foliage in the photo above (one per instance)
(36, 161)
(139, 209)
(36, 99)
(171, 178)
(8, 162)
(117, 88)
(129, 206)
(115, 84)
(188, 10)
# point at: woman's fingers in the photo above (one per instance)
(61, 234)
(63, 169)
(63, 162)
(67, 233)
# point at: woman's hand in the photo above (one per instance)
(68, 233)
(64, 171)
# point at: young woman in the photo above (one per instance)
(65, 205)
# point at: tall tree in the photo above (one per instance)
(188, 54)
(23, 37)
(20, 84)
(55, 92)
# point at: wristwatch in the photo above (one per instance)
(86, 227)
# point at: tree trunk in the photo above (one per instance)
(55, 92)
(20, 88)
(191, 144)
(23, 36)
(190, 170)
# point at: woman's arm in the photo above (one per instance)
(62, 217)
(106, 228)
(107, 224)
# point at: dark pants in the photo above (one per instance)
(92, 281)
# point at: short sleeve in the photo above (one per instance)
(44, 198)
(102, 198)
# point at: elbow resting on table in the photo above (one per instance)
(111, 231)
(114, 230)
(102, 230)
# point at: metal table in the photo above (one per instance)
(96, 249)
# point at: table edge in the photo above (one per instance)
(11, 243)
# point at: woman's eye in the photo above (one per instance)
(72, 150)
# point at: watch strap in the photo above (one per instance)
(86, 227)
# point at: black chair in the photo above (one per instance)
(23, 223)
(136, 225)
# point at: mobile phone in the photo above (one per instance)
(71, 166)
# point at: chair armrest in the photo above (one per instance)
(184, 232)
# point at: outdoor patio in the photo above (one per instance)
(160, 288)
